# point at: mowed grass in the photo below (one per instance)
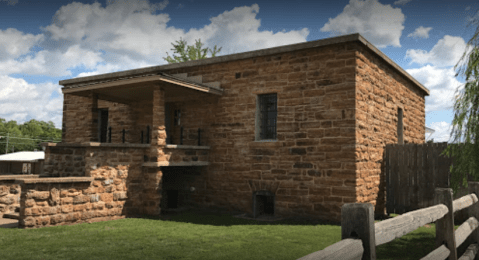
(193, 235)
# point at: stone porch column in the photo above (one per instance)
(158, 130)
(152, 176)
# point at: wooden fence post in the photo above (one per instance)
(445, 225)
(357, 221)
(473, 210)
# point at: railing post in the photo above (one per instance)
(147, 134)
(445, 225)
(109, 134)
(473, 210)
(141, 136)
(199, 137)
(357, 221)
(123, 135)
(181, 135)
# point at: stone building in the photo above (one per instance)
(295, 130)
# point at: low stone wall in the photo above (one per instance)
(64, 201)
(10, 192)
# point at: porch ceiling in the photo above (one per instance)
(141, 88)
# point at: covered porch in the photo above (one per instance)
(153, 111)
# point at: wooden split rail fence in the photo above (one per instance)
(360, 235)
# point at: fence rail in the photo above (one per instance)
(360, 235)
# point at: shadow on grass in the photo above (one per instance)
(218, 218)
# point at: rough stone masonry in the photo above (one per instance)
(338, 103)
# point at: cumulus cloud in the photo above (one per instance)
(402, 2)
(441, 82)
(381, 24)
(52, 63)
(420, 32)
(22, 101)
(14, 43)
(447, 52)
(442, 131)
(10, 2)
(135, 33)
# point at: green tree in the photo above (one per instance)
(27, 136)
(465, 125)
(189, 52)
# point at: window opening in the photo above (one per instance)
(267, 116)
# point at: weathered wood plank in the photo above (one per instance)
(395, 174)
(463, 231)
(402, 172)
(439, 253)
(389, 183)
(445, 225)
(464, 202)
(347, 249)
(421, 182)
(473, 210)
(470, 253)
(414, 192)
(357, 221)
(388, 230)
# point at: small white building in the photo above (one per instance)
(22, 163)
(429, 132)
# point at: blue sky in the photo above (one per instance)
(42, 42)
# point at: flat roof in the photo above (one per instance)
(23, 156)
(244, 55)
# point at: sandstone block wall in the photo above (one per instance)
(313, 160)
(9, 196)
(380, 92)
(52, 204)
(336, 110)
(64, 161)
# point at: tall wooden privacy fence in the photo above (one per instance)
(360, 235)
(413, 171)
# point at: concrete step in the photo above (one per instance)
(14, 215)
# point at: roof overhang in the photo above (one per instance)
(131, 89)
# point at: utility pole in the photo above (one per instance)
(6, 148)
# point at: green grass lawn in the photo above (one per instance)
(193, 236)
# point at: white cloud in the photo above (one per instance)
(381, 24)
(402, 2)
(133, 33)
(10, 2)
(95, 39)
(420, 32)
(445, 53)
(441, 82)
(442, 131)
(14, 43)
(52, 63)
(22, 101)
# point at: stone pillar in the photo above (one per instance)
(158, 130)
(93, 116)
(153, 175)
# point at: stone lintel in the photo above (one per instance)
(55, 180)
(193, 147)
(160, 164)
(17, 177)
(97, 144)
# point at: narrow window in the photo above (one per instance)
(266, 119)
(103, 124)
(400, 126)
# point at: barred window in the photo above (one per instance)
(267, 116)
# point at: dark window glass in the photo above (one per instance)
(267, 116)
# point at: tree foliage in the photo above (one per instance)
(465, 125)
(189, 52)
(27, 136)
